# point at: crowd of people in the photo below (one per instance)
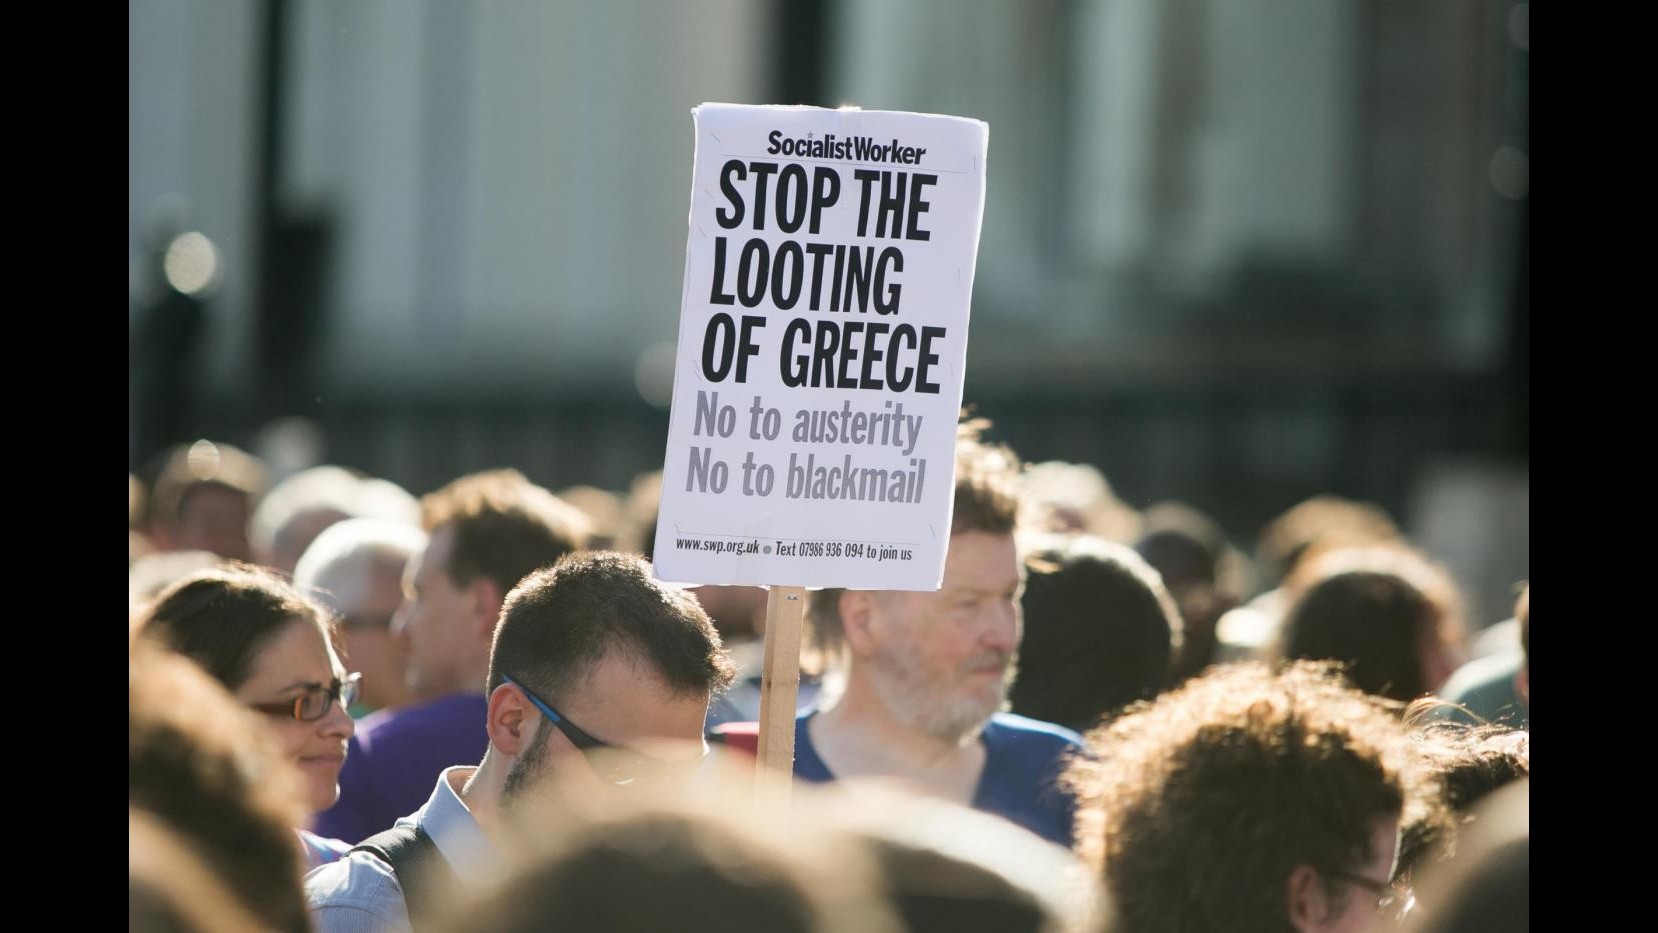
(354, 709)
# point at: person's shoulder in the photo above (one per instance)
(358, 876)
(358, 886)
(1480, 675)
(1023, 731)
(321, 850)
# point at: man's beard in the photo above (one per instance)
(527, 772)
(940, 706)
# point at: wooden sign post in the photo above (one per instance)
(779, 686)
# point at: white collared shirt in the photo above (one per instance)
(360, 893)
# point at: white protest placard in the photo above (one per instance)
(822, 347)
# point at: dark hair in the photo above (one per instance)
(1184, 544)
(669, 869)
(223, 617)
(202, 763)
(1372, 609)
(988, 497)
(1100, 632)
(1469, 763)
(1202, 572)
(1522, 613)
(1199, 806)
(505, 526)
(559, 622)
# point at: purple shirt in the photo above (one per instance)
(396, 757)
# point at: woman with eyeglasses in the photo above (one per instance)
(274, 650)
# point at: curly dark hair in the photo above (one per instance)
(1198, 807)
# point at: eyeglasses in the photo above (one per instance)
(315, 702)
(1395, 897)
(614, 764)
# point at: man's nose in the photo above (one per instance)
(1002, 628)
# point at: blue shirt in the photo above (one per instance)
(1022, 763)
(1486, 686)
(360, 893)
(395, 756)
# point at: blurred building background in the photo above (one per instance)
(1235, 252)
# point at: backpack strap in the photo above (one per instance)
(421, 870)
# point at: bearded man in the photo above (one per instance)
(928, 673)
(594, 640)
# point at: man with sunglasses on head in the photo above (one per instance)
(595, 668)
(487, 531)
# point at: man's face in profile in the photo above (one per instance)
(633, 734)
(432, 622)
(943, 661)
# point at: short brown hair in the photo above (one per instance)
(559, 622)
(987, 499)
(221, 618)
(1320, 524)
(203, 464)
(505, 526)
(1200, 805)
(987, 482)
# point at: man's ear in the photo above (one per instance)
(858, 611)
(509, 720)
(1305, 903)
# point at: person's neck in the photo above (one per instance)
(481, 793)
(861, 735)
(470, 682)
